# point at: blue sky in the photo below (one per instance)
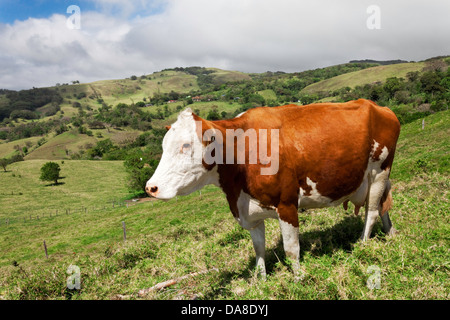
(11, 10)
(119, 38)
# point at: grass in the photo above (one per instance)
(423, 150)
(83, 183)
(365, 76)
(169, 239)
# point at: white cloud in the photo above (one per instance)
(246, 35)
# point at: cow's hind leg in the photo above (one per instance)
(374, 204)
(288, 218)
(386, 205)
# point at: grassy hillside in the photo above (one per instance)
(83, 183)
(130, 91)
(169, 239)
(366, 76)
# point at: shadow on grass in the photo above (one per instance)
(341, 236)
(55, 184)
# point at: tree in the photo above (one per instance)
(50, 172)
(4, 163)
(430, 82)
(213, 114)
(392, 85)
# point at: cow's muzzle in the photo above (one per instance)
(151, 190)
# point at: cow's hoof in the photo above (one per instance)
(393, 232)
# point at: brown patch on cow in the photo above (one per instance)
(305, 187)
(288, 213)
(375, 155)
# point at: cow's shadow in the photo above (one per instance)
(341, 236)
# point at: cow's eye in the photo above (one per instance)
(186, 145)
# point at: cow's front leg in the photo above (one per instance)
(288, 218)
(259, 244)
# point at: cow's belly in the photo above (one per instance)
(313, 199)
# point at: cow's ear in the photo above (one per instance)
(168, 128)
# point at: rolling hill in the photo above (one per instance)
(163, 94)
(366, 76)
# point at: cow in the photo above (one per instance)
(321, 155)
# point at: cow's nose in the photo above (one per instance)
(152, 190)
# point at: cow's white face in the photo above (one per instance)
(180, 170)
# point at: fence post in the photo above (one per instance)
(124, 231)
(45, 248)
(423, 124)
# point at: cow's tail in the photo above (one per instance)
(386, 199)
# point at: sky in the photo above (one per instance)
(43, 43)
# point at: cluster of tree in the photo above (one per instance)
(27, 100)
(379, 62)
(286, 87)
(123, 115)
(411, 98)
(31, 129)
(161, 98)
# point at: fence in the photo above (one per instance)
(48, 213)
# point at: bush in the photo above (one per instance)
(140, 168)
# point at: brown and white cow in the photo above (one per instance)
(321, 155)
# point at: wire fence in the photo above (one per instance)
(52, 213)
